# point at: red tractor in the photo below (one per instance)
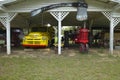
(82, 39)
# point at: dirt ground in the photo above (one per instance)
(53, 51)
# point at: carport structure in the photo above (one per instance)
(16, 13)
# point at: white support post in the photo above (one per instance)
(59, 33)
(111, 35)
(113, 22)
(8, 36)
(6, 22)
(59, 16)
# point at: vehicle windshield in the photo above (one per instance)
(39, 29)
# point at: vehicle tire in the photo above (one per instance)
(82, 47)
(49, 44)
(87, 48)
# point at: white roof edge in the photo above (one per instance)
(6, 1)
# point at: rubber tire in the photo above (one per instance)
(82, 47)
(87, 48)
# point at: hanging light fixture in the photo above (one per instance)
(82, 11)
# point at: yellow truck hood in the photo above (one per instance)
(36, 34)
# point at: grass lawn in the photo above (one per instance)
(71, 65)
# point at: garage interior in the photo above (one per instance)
(96, 23)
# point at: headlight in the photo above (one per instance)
(44, 38)
(24, 38)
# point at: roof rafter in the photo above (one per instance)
(6, 1)
(117, 1)
(3, 8)
(116, 7)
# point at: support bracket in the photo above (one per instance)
(9, 16)
(109, 15)
(57, 17)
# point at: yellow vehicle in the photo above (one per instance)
(39, 37)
